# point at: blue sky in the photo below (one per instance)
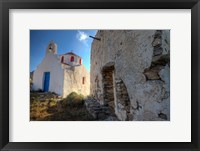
(66, 40)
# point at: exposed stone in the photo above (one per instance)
(122, 97)
(157, 51)
(161, 60)
(151, 74)
(156, 42)
(162, 116)
(99, 112)
(158, 33)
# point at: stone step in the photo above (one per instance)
(99, 112)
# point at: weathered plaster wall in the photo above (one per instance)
(139, 62)
(51, 63)
(73, 80)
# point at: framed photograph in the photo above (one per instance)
(103, 75)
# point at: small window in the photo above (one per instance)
(83, 80)
(62, 59)
(80, 61)
(72, 59)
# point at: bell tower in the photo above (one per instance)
(51, 48)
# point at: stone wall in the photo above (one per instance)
(139, 62)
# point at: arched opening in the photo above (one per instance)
(83, 80)
(72, 59)
(80, 61)
(109, 86)
(62, 59)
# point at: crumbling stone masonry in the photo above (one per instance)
(130, 73)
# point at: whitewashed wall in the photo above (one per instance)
(50, 63)
(73, 81)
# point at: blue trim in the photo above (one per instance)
(46, 81)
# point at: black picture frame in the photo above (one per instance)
(5, 5)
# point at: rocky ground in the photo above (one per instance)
(50, 107)
(99, 112)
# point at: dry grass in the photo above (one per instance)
(47, 107)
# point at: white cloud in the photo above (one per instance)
(82, 36)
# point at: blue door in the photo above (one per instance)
(46, 81)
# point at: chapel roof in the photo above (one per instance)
(71, 53)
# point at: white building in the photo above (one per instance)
(61, 74)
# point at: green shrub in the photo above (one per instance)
(74, 100)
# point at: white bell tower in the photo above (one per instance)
(52, 48)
